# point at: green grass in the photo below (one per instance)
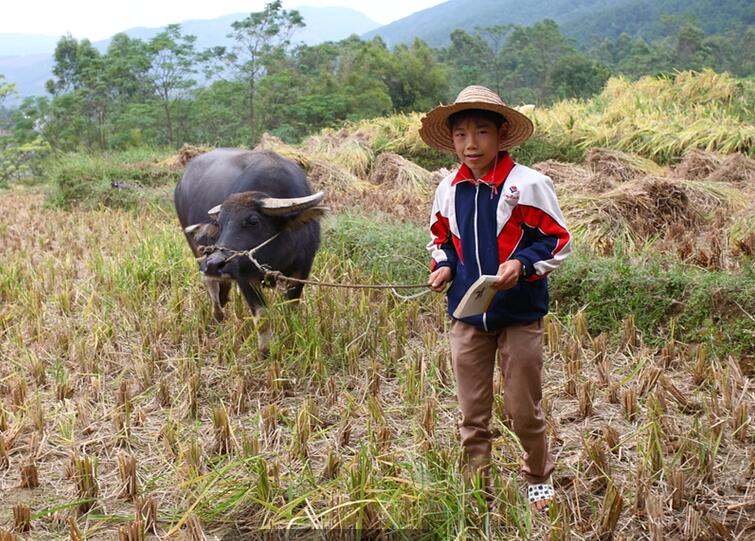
(705, 306)
(85, 180)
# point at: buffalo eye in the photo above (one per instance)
(251, 221)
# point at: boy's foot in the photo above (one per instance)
(540, 495)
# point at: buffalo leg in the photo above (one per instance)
(216, 290)
(256, 303)
(223, 294)
(293, 292)
(294, 289)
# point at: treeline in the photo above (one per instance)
(164, 91)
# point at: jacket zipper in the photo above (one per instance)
(477, 247)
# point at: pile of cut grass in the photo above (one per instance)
(619, 203)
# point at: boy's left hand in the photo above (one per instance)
(508, 274)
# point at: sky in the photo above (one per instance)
(98, 19)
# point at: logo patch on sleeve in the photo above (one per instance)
(511, 196)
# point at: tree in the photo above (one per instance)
(691, 51)
(496, 38)
(128, 63)
(6, 89)
(172, 63)
(578, 76)
(416, 81)
(258, 39)
(81, 83)
(467, 56)
(531, 54)
(76, 63)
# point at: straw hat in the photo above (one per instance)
(436, 133)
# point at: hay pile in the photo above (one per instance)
(698, 164)
(399, 187)
(350, 150)
(342, 189)
(327, 176)
(735, 168)
(652, 203)
(699, 221)
(572, 178)
(395, 172)
(619, 166)
(187, 152)
(274, 144)
(564, 173)
(437, 176)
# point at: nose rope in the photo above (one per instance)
(236, 253)
(267, 271)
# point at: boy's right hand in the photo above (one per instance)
(438, 278)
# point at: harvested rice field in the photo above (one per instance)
(125, 407)
(127, 412)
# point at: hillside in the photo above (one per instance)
(581, 20)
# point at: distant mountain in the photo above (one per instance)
(28, 72)
(581, 19)
(26, 59)
(26, 44)
(322, 24)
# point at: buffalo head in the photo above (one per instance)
(245, 220)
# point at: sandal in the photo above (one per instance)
(542, 492)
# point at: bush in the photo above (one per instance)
(709, 306)
(87, 180)
(21, 161)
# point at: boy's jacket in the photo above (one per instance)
(510, 213)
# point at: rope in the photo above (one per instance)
(267, 271)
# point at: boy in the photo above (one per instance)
(493, 216)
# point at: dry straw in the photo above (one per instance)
(29, 475)
(21, 518)
(129, 481)
(85, 477)
(393, 172)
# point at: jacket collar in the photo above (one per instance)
(495, 177)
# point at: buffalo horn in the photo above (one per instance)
(273, 206)
(214, 211)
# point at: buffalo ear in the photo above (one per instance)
(203, 234)
(214, 211)
(306, 216)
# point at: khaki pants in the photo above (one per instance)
(521, 361)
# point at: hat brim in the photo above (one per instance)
(436, 133)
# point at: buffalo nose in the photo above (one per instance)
(213, 264)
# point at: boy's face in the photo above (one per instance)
(476, 142)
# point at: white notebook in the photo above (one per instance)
(478, 297)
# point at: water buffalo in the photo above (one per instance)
(234, 200)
